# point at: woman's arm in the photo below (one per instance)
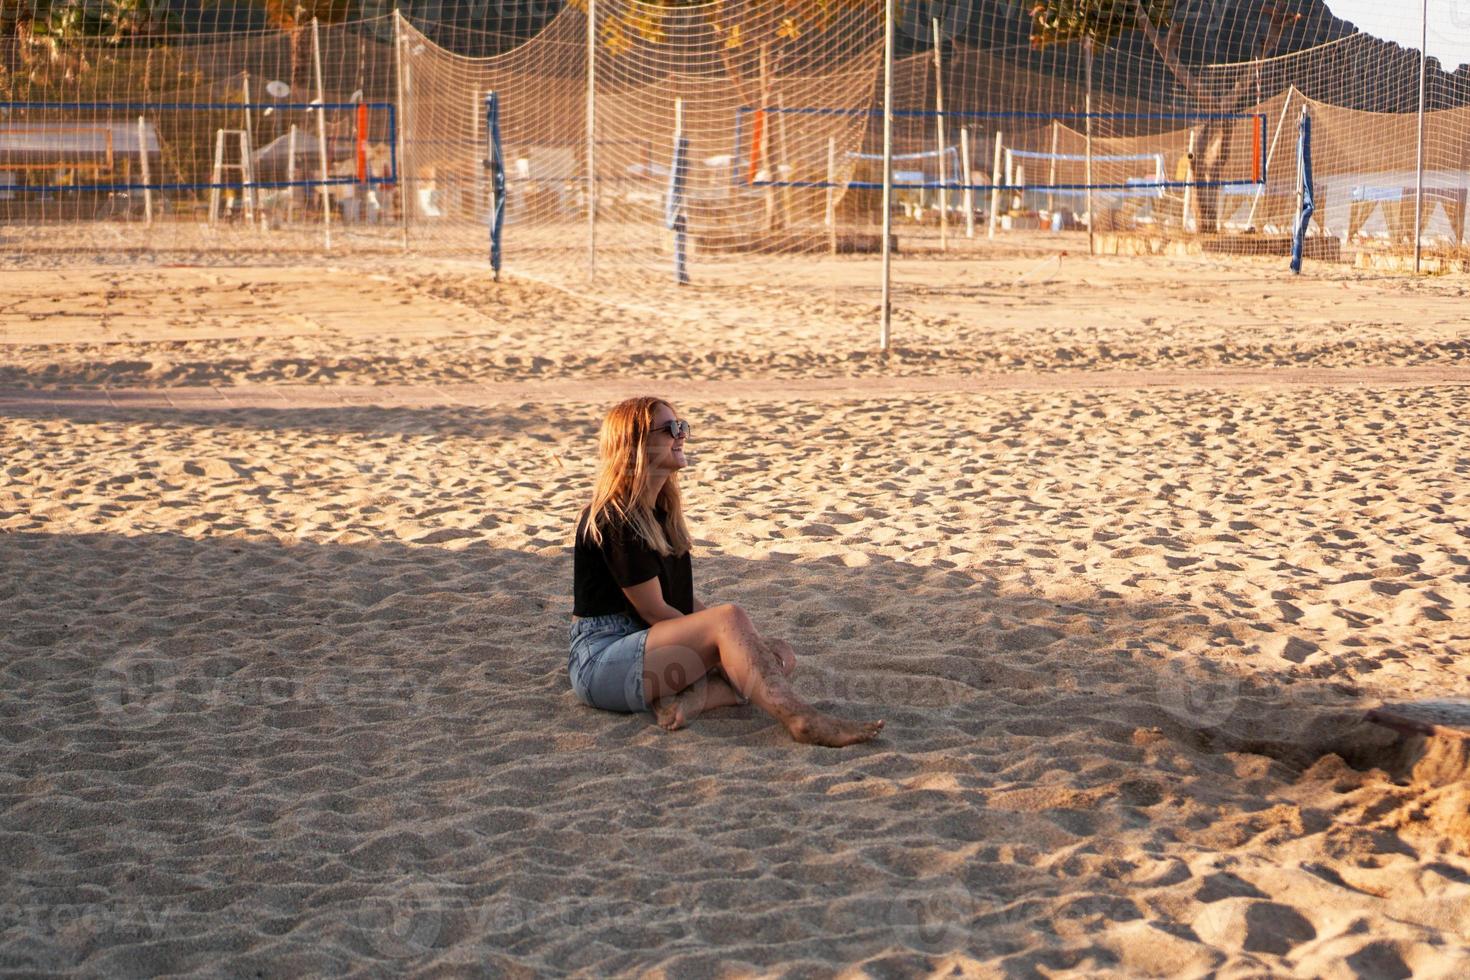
(698, 606)
(648, 599)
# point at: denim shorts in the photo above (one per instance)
(606, 661)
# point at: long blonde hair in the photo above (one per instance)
(623, 477)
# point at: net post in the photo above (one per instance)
(248, 191)
(591, 140)
(831, 211)
(1051, 177)
(495, 163)
(321, 133)
(764, 140)
(784, 171)
(247, 179)
(1184, 221)
(1300, 178)
(291, 175)
(401, 120)
(1305, 197)
(1419, 154)
(995, 183)
(361, 141)
(1258, 148)
(143, 169)
(939, 130)
(674, 216)
(215, 175)
(1087, 118)
(886, 317)
(967, 198)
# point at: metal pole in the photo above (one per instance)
(1051, 177)
(673, 178)
(491, 162)
(763, 145)
(1189, 179)
(1419, 164)
(216, 177)
(143, 161)
(832, 195)
(995, 178)
(1091, 241)
(887, 315)
(939, 129)
(321, 133)
(1301, 183)
(401, 135)
(1250, 221)
(291, 175)
(784, 173)
(591, 139)
(967, 197)
(252, 205)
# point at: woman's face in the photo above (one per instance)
(665, 453)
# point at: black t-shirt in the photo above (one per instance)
(601, 572)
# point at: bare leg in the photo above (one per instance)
(785, 654)
(712, 691)
(681, 651)
(709, 692)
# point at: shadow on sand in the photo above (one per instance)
(304, 757)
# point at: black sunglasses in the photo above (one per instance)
(676, 428)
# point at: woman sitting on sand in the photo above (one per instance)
(639, 637)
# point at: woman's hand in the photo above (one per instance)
(648, 599)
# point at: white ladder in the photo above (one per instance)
(247, 174)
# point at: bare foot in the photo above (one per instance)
(669, 713)
(710, 691)
(814, 728)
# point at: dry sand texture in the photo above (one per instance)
(284, 685)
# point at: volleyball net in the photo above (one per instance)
(1167, 146)
(108, 147)
(711, 129)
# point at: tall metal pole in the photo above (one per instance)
(1184, 222)
(591, 139)
(1419, 164)
(143, 169)
(291, 176)
(400, 136)
(1091, 222)
(831, 212)
(321, 133)
(887, 317)
(967, 196)
(995, 179)
(939, 129)
(1051, 177)
(251, 203)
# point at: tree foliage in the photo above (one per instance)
(737, 23)
(1056, 22)
(107, 20)
(291, 14)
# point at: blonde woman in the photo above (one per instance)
(640, 639)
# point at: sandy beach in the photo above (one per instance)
(1122, 550)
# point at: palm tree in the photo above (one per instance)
(294, 16)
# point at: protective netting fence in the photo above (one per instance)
(370, 134)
